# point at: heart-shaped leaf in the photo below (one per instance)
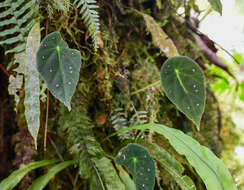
(183, 84)
(59, 66)
(140, 164)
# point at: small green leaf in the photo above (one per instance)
(140, 164)
(59, 66)
(183, 83)
(42, 181)
(126, 179)
(14, 178)
(209, 167)
(32, 83)
(217, 5)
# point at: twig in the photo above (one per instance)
(198, 32)
(226, 51)
(211, 56)
(4, 70)
(46, 31)
(209, 10)
(146, 87)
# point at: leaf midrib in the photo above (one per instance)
(180, 81)
(60, 65)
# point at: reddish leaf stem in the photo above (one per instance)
(4, 70)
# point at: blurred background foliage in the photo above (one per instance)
(229, 92)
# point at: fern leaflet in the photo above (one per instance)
(60, 5)
(16, 20)
(139, 117)
(90, 17)
(120, 120)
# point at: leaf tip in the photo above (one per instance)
(68, 106)
(198, 127)
(35, 145)
(35, 142)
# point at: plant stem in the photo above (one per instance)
(46, 123)
(146, 87)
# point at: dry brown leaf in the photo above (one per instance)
(160, 38)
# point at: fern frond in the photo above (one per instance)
(60, 5)
(119, 121)
(92, 163)
(90, 17)
(139, 117)
(16, 21)
(82, 143)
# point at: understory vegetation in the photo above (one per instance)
(114, 95)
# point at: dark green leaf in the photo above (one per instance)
(183, 83)
(11, 181)
(140, 164)
(59, 66)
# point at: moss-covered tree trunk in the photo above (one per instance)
(111, 94)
